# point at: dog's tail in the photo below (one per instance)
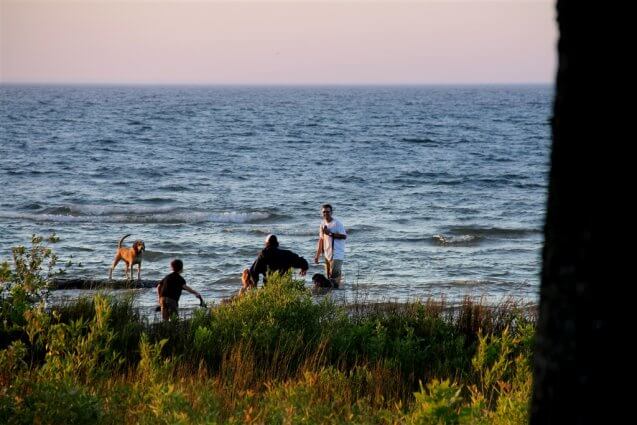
(119, 245)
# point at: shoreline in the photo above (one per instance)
(359, 307)
(97, 283)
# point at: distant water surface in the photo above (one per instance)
(442, 189)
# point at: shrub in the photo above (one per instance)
(280, 317)
(274, 355)
(25, 284)
(12, 361)
(439, 403)
(51, 402)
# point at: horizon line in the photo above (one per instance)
(179, 84)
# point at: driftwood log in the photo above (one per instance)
(85, 283)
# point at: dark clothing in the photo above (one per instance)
(272, 259)
(168, 307)
(320, 281)
(171, 286)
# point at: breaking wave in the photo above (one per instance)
(463, 240)
(96, 214)
(497, 232)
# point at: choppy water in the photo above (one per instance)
(442, 189)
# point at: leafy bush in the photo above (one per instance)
(416, 344)
(275, 355)
(439, 403)
(50, 402)
(279, 318)
(12, 361)
(123, 319)
(25, 284)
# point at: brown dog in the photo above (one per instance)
(246, 282)
(131, 256)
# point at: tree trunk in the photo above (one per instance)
(576, 361)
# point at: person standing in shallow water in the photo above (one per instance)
(331, 244)
(169, 290)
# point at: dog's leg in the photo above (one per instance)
(139, 271)
(110, 272)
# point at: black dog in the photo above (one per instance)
(320, 281)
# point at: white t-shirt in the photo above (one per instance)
(333, 249)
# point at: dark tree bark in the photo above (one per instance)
(576, 361)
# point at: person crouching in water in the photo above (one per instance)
(169, 290)
(273, 259)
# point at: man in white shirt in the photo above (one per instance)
(331, 244)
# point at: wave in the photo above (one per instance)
(28, 172)
(154, 256)
(409, 239)
(472, 282)
(414, 181)
(142, 215)
(499, 232)
(424, 174)
(418, 140)
(175, 188)
(105, 142)
(260, 232)
(530, 185)
(354, 179)
(419, 177)
(229, 280)
(33, 206)
(360, 228)
(103, 210)
(240, 217)
(310, 230)
(463, 240)
(157, 200)
(73, 248)
(286, 232)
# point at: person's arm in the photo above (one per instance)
(319, 246)
(301, 263)
(159, 289)
(257, 267)
(340, 233)
(192, 291)
(337, 235)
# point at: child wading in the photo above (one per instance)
(169, 290)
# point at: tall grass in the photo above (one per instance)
(275, 355)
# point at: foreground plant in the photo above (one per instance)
(275, 355)
(23, 282)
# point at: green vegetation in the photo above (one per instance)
(275, 355)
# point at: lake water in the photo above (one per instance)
(442, 189)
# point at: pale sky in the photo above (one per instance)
(284, 42)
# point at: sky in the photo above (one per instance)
(283, 42)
